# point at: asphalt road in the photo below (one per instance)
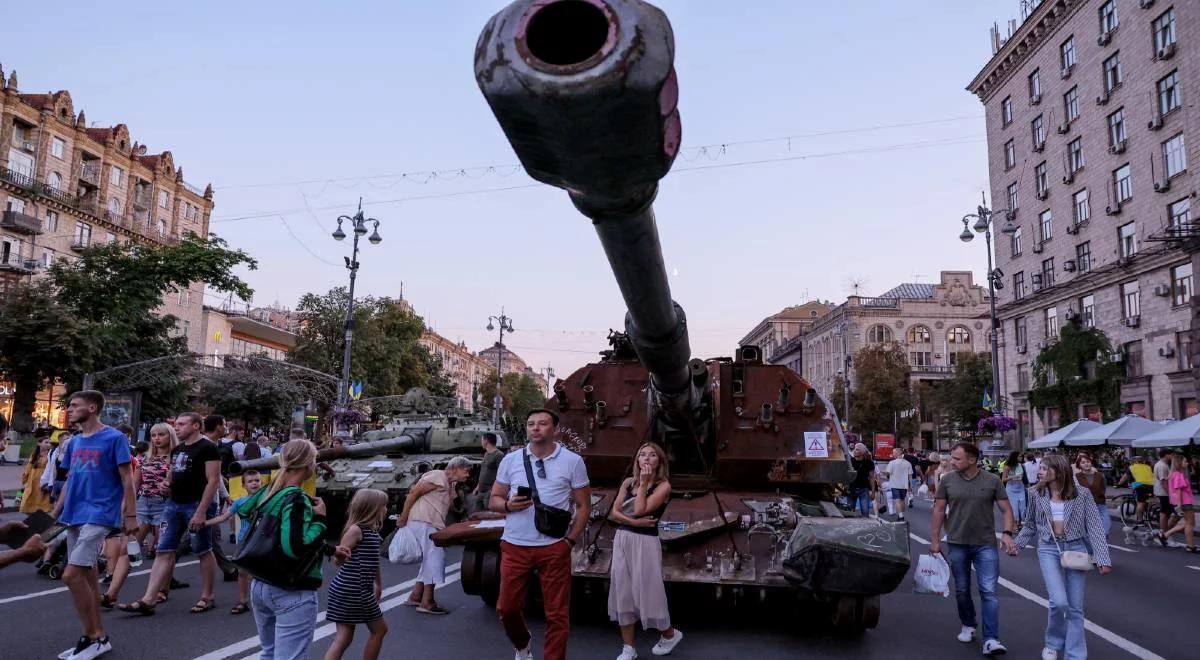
(1141, 610)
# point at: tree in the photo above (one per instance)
(1075, 370)
(257, 402)
(962, 395)
(881, 391)
(520, 392)
(839, 397)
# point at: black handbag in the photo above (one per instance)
(261, 553)
(548, 520)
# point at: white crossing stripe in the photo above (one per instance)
(1100, 631)
(251, 643)
(59, 590)
(1194, 568)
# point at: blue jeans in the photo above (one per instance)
(860, 498)
(986, 561)
(286, 620)
(1064, 589)
(1016, 497)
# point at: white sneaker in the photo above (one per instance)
(1049, 654)
(525, 653)
(993, 647)
(665, 646)
(95, 649)
(627, 653)
(966, 635)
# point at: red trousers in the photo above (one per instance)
(553, 564)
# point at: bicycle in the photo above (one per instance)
(1146, 530)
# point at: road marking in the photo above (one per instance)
(36, 594)
(1114, 547)
(251, 643)
(1100, 631)
(1194, 568)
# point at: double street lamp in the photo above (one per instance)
(358, 226)
(984, 219)
(505, 326)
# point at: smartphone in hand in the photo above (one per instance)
(524, 491)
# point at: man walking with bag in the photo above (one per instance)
(535, 487)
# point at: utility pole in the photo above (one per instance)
(505, 325)
(549, 373)
(358, 224)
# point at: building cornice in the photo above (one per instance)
(1041, 25)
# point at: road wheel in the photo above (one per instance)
(489, 576)
(470, 570)
(852, 614)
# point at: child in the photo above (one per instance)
(354, 594)
(252, 481)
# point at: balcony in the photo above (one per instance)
(20, 223)
(879, 302)
(931, 370)
(119, 219)
(90, 174)
(89, 204)
(13, 263)
(141, 198)
(80, 244)
(19, 179)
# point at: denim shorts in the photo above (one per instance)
(150, 510)
(174, 525)
(899, 493)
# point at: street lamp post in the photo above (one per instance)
(358, 225)
(505, 326)
(983, 225)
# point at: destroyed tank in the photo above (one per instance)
(586, 92)
(424, 433)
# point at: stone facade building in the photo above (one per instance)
(256, 331)
(464, 368)
(780, 336)
(933, 323)
(512, 364)
(1089, 111)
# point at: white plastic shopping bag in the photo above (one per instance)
(932, 575)
(404, 548)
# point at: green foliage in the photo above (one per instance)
(881, 391)
(521, 393)
(960, 397)
(258, 402)
(839, 397)
(1068, 374)
(386, 355)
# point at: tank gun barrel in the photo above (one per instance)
(399, 443)
(585, 91)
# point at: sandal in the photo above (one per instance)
(203, 605)
(408, 602)
(240, 608)
(163, 594)
(138, 606)
(434, 609)
(1192, 549)
(106, 602)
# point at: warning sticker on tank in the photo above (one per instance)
(816, 444)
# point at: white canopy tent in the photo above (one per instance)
(1120, 432)
(1178, 434)
(1051, 440)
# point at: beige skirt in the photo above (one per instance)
(635, 590)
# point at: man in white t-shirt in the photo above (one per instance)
(900, 474)
(561, 479)
(1032, 464)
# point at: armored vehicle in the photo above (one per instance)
(586, 92)
(424, 434)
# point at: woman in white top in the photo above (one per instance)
(424, 512)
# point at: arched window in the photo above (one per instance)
(114, 207)
(162, 227)
(959, 336)
(919, 334)
(55, 181)
(879, 334)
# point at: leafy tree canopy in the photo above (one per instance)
(1076, 370)
(521, 393)
(881, 391)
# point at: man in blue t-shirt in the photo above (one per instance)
(97, 502)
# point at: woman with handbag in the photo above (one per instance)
(1065, 522)
(283, 550)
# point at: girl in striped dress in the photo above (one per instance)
(354, 594)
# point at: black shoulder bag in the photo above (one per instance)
(548, 520)
(261, 553)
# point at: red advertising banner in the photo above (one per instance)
(884, 444)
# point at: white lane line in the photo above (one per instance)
(1100, 631)
(59, 590)
(1194, 568)
(329, 628)
(251, 643)
(1114, 547)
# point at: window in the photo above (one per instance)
(47, 259)
(1018, 285)
(1108, 16)
(1183, 343)
(1168, 93)
(1181, 284)
(958, 336)
(185, 297)
(117, 177)
(919, 334)
(1133, 359)
(55, 181)
(1020, 331)
(1022, 377)
(1075, 154)
(1131, 300)
(1082, 209)
(879, 334)
(1067, 55)
(114, 208)
(1164, 30)
(58, 148)
(1010, 155)
(1006, 111)
(110, 237)
(1087, 311)
(83, 234)
(1050, 322)
(1047, 227)
(1180, 212)
(1127, 240)
(920, 358)
(1039, 131)
(15, 204)
(1071, 104)
(1083, 257)
(1015, 242)
(1122, 184)
(1014, 202)
(164, 200)
(1116, 127)
(1174, 156)
(52, 221)
(1040, 181)
(1048, 272)
(1035, 86)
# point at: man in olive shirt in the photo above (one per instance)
(971, 496)
(487, 473)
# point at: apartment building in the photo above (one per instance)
(264, 331)
(1089, 115)
(464, 368)
(780, 336)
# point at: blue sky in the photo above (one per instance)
(278, 92)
